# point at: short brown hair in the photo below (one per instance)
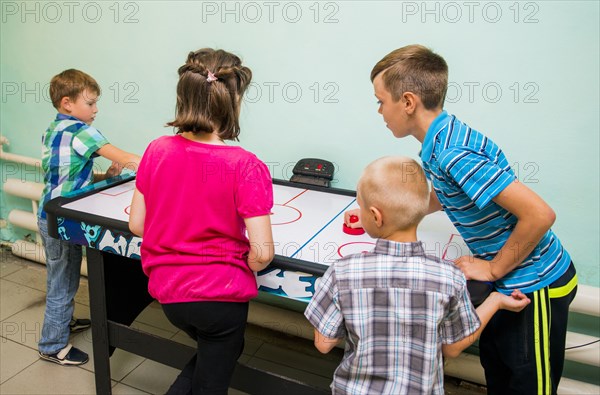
(416, 69)
(71, 83)
(205, 105)
(398, 187)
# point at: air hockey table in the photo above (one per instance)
(307, 230)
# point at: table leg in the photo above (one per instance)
(100, 342)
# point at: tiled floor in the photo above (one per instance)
(22, 300)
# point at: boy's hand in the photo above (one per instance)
(114, 170)
(475, 268)
(348, 214)
(516, 301)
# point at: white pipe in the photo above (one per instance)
(25, 189)
(467, 367)
(23, 219)
(588, 355)
(20, 159)
(35, 252)
(587, 301)
(573, 387)
(17, 158)
(280, 320)
(28, 250)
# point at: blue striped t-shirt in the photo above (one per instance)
(467, 170)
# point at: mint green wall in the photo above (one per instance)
(525, 73)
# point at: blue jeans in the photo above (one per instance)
(63, 265)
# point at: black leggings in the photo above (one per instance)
(218, 328)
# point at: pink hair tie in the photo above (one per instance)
(210, 77)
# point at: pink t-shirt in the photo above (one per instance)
(195, 246)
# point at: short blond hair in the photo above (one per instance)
(397, 186)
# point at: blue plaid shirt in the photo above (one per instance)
(68, 148)
(395, 306)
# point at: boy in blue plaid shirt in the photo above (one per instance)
(398, 309)
(70, 145)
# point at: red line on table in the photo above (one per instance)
(295, 197)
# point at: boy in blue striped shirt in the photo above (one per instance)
(504, 223)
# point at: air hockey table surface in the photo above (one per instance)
(307, 229)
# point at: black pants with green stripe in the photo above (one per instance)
(523, 353)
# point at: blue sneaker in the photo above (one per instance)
(79, 324)
(67, 356)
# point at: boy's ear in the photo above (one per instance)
(66, 103)
(410, 102)
(377, 216)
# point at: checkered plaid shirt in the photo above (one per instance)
(68, 148)
(395, 307)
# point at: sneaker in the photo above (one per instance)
(67, 356)
(79, 324)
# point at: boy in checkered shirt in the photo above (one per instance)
(69, 147)
(398, 309)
